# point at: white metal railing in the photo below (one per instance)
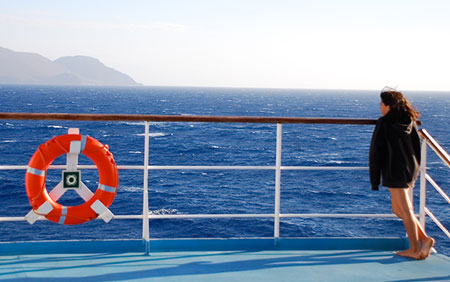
(146, 215)
(428, 141)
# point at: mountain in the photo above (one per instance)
(30, 68)
(91, 71)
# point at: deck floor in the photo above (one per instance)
(274, 265)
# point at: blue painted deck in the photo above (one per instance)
(218, 260)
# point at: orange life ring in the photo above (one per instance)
(46, 154)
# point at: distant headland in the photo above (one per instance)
(31, 68)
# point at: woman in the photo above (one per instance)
(395, 158)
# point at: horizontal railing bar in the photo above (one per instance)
(292, 215)
(304, 215)
(255, 168)
(136, 216)
(13, 167)
(438, 223)
(324, 168)
(437, 187)
(194, 216)
(187, 216)
(180, 118)
(12, 218)
(24, 167)
(335, 215)
(181, 167)
(22, 218)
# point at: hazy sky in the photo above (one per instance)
(360, 44)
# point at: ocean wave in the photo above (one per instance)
(337, 162)
(8, 141)
(156, 134)
(131, 189)
(163, 211)
(132, 122)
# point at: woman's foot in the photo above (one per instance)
(410, 254)
(425, 249)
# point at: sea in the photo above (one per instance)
(185, 192)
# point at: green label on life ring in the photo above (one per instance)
(71, 179)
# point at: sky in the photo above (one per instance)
(319, 44)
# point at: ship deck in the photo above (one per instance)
(318, 259)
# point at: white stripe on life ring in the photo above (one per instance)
(36, 171)
(83, 143)
(107, 188)
(63, 215)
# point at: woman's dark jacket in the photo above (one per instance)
(394, 153)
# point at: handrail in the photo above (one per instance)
(435, 146)
(180, 118)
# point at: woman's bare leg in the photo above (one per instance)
(426, 241)
(402, 207)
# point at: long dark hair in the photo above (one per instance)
(400, 107)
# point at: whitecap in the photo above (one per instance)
(131, 189)
(163, 211)
(330, 154)
(133, 122)
(156, 134)
(54, 126)
(8, 141)
(160, 134)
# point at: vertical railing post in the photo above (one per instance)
(278, 182)
(145, 223)
(423, 182)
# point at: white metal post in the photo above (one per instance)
(145, 223)
(423, 183)
(278, 182)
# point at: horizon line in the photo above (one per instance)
(141, 85)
